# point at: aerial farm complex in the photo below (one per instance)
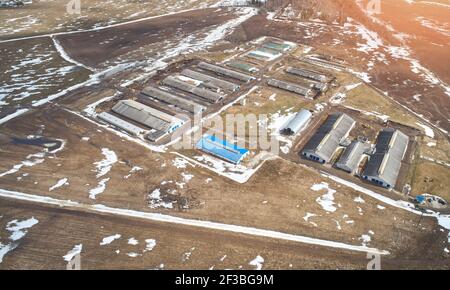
(230, 135)
(170, 100)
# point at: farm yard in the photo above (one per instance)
(114, 140)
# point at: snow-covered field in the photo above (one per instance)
(187, 222)
(42, 17)
(18, 230)
(34, 71)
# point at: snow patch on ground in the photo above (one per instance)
(428, 131)
(257, 262)
(61, 182)
(72, 253)
(155, 200)
(110, 239)
(326, 201)
(149, 245)
(19, 229)
(103, 167)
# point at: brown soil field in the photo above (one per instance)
(59, 230)
(43, 17)
(33, 72)
(261, 202)
(93, 48)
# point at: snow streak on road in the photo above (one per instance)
(98, 208)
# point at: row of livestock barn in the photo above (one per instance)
(384, 158)
(308, 83)
(163, 107)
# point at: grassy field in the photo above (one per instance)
(431, 178)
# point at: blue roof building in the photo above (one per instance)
(222, 149)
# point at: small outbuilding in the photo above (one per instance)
(222, 149)
(326, 140)
(350, 159)
(297, 123)
(384, 164)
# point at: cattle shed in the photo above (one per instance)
(226, 72)
(242, 66)
(120, 123)
(309, 74)
(172, 99)
(210, 96)
(222, 149)
(322, 145)
(290, 87)
(265, 54)
(350, 159)
(222, 84)
(297, 123)
(384, 164)
(147, 116)
(282, 47)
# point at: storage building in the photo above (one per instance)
(222, 149)
(290, 87)
(224, 85)
(297, 123)
(309, 74)
(350, 159)
(327, 138)
(120, 123)
(226, 72)
(148, 116)
(172, 99)
(210, 96)
(242, 66)
(384, 164)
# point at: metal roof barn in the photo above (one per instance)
(310, 74)
(327, 138)
(222, 149)
(225, 85)
(283, 47)
(120, 123)
(210, 96)
(290, 87)
(384, 165)
(350, 159)
(226, 72)
(242, 66)
(297, 123)
(172, 99)
(147, 116)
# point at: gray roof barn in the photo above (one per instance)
(349, 160)
(309, 74)
(172, 99)
(307, 92)
(146, 115)
(297, 123)
(226, 72)
(327, 138)
(384, 165)
(224, 85)
(120, 123)
(210, 96)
